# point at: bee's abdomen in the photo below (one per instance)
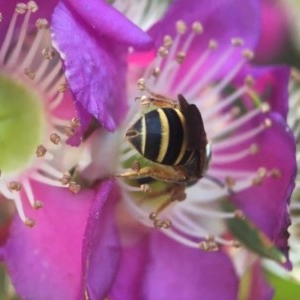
(160, 136)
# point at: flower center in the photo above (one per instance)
(35, 125)
(21, 124)
(234, 116)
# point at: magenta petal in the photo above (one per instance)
(275, 30)
(179, 272)
(271, 83)
(45, 262)
(103, 19)
(95, 57)
(260, 288)
(101, 247)
(131, 272)
(266, 204)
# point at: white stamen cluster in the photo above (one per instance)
(199, 221)
(27, 56)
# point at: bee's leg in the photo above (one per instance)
(163, 173)
(176, 194)
(158, 102)
(164, 102)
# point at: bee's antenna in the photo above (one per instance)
(219, 183)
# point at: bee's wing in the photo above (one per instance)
(194, 124)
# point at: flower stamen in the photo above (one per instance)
(66, 178)
(55, 138)
(241, 121)
(14, 186)
(20, 9)
(209, 245)
(29, 193)
(234, 116)
(233, 157)
(40, 151)
(74, 187)
(31, 8)
(32, 77)
(41, 24)
(228, 100)
(242, 137)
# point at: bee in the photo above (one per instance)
(171, 136)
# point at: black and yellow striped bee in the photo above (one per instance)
(172, 137)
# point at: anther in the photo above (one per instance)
(262, 172)
(166, 224)
(295, 75)
(32, 6)
(230, 181)
(145, 188)
(38, 204)
(212, 45)
(209, 245)
(257, 180)
(75, 122)
(29, 73)
(197, 27)
(69, 131)
(162, 51)
(29, 222)
(249, 80)
(14, 186)
(238, 42)
(167, 41)
(265, 107)
(141, 84)
(181, 27)
(235, 111)
(62, 87)
(158, 223)
(74, 187)
(156, 72)
(40, 151)
(236, 244)
(275, 173)
(55, 138)
(267, 123)
(21, 8)
(180, 57)
(48, 52)
(41, 23)
(254, 149)
(66, 178)
(239, 214)
(261, 175)
(153, 216)
(248, 54)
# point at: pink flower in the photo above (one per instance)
(101, 242)
(244, 111)
(37, 119)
